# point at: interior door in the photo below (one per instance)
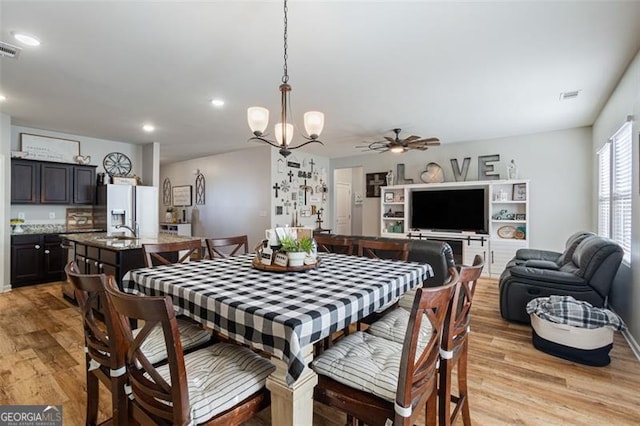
(343, 208)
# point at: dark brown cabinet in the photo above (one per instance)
(55, 183)
(84, 184)
(98, 260)
(25, 182)
(39, 182)
(36, 259)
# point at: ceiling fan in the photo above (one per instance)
(398, 145)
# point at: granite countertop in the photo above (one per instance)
(100, 239)
(50, 229)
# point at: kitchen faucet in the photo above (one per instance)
(135, 231)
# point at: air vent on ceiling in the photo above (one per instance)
(569, 95)
(9, 50)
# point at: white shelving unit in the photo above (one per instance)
(183, 229)
(507, 215)
(393, 212)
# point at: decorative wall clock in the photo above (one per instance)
(116, 164)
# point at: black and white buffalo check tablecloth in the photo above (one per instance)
(279, 313)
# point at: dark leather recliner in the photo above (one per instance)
(585, 271)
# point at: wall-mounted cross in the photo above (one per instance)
(286, 205)
(306, 188)
(276, 187)
(375, 183)
(290, 174)
(312, 163)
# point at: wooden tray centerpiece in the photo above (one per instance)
(256, 263)
(282, 260)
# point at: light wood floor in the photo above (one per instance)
(41, 362)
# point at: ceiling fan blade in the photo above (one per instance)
(432, 141)
(412, 138)
(389, 138)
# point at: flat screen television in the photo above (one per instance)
(450, 210)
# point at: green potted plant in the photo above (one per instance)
(296, 250)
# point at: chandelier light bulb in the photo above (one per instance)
(313, 123)
(258, 118)
(278, 133)
(397, 149)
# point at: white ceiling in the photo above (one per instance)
(459, 71)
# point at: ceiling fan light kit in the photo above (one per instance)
(258, 117)
(398, 146)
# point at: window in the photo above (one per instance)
(614, 189)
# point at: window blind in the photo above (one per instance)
(621, 192)
(604, 190)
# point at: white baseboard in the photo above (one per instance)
(631, 341)
(635, 348)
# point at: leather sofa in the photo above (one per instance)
(436, 253)
(585, 270)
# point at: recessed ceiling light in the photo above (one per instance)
(148, 128)
(217, 103)
(3, 98)
(26, 39)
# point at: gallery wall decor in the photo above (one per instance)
(373, 183)
(166, 192)
(200, 188)
(46, 148)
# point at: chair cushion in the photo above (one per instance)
(364, 362)
(191, 335)
(219, 377)
(393, 326)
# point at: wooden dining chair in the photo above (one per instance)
(377, 380)
(384, 249)
(104, 342)
(331, 244)
(169, 253)
(220, 384)
(104, 345)
(389, 250)
(455, 347)
(225, 247)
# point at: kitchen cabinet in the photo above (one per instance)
(55, 183)
(99, 260)
(25, 182)
(84, 184)
(36, 259)
(41, 182)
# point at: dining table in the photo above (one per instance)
(280, 313)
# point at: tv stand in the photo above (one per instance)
(507, 216)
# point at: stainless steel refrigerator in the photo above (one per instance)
(134, 206)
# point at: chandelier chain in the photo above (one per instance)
(285, 77)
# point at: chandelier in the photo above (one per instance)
(258, 117)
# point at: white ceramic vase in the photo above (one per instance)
(296, 258)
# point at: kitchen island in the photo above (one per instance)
(97, 253)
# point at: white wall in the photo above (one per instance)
(559, 165)
(237, 193)
(5, 196)
(625, 100)
(96, 148)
